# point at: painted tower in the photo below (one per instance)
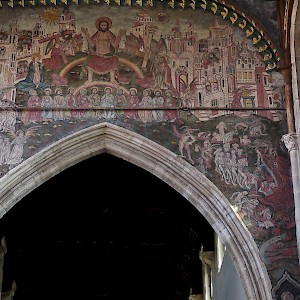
(8, 57)
(67, 21)
(38, 33)
(181, 43)
(139, 27)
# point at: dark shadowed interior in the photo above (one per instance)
(104, 229)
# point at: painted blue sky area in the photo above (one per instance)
(86, 15)
(262, 11)
(265, 12)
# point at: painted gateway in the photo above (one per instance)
(202, 85)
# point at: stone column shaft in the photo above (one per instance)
(3, 251)
(291, 143)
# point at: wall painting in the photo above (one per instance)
(185, 79)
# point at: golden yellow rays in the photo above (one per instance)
(50, 15)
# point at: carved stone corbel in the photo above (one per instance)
(208, 258)
(10, 294)
(290, 141)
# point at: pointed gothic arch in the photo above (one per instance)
(159, 161)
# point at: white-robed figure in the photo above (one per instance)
(19, 140)
(16, 153)
(145, 115)
(158, 101)
(108, 100)
(94, 100)
(8, 115)
(47, 105)
(11, 116)
(59, 102)
(5, 151)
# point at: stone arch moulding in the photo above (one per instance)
(164, 164)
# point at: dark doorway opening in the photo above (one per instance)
(104, 229)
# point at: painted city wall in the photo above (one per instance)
(201, 82)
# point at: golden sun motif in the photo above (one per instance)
(162, 17)
(50, 15)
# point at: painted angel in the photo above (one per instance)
(20, 138)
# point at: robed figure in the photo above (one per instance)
(103, 46)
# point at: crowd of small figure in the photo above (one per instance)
(100, 103)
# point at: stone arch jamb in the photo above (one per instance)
(291, 139)
(164, 164)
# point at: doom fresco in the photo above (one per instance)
(186, 79)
